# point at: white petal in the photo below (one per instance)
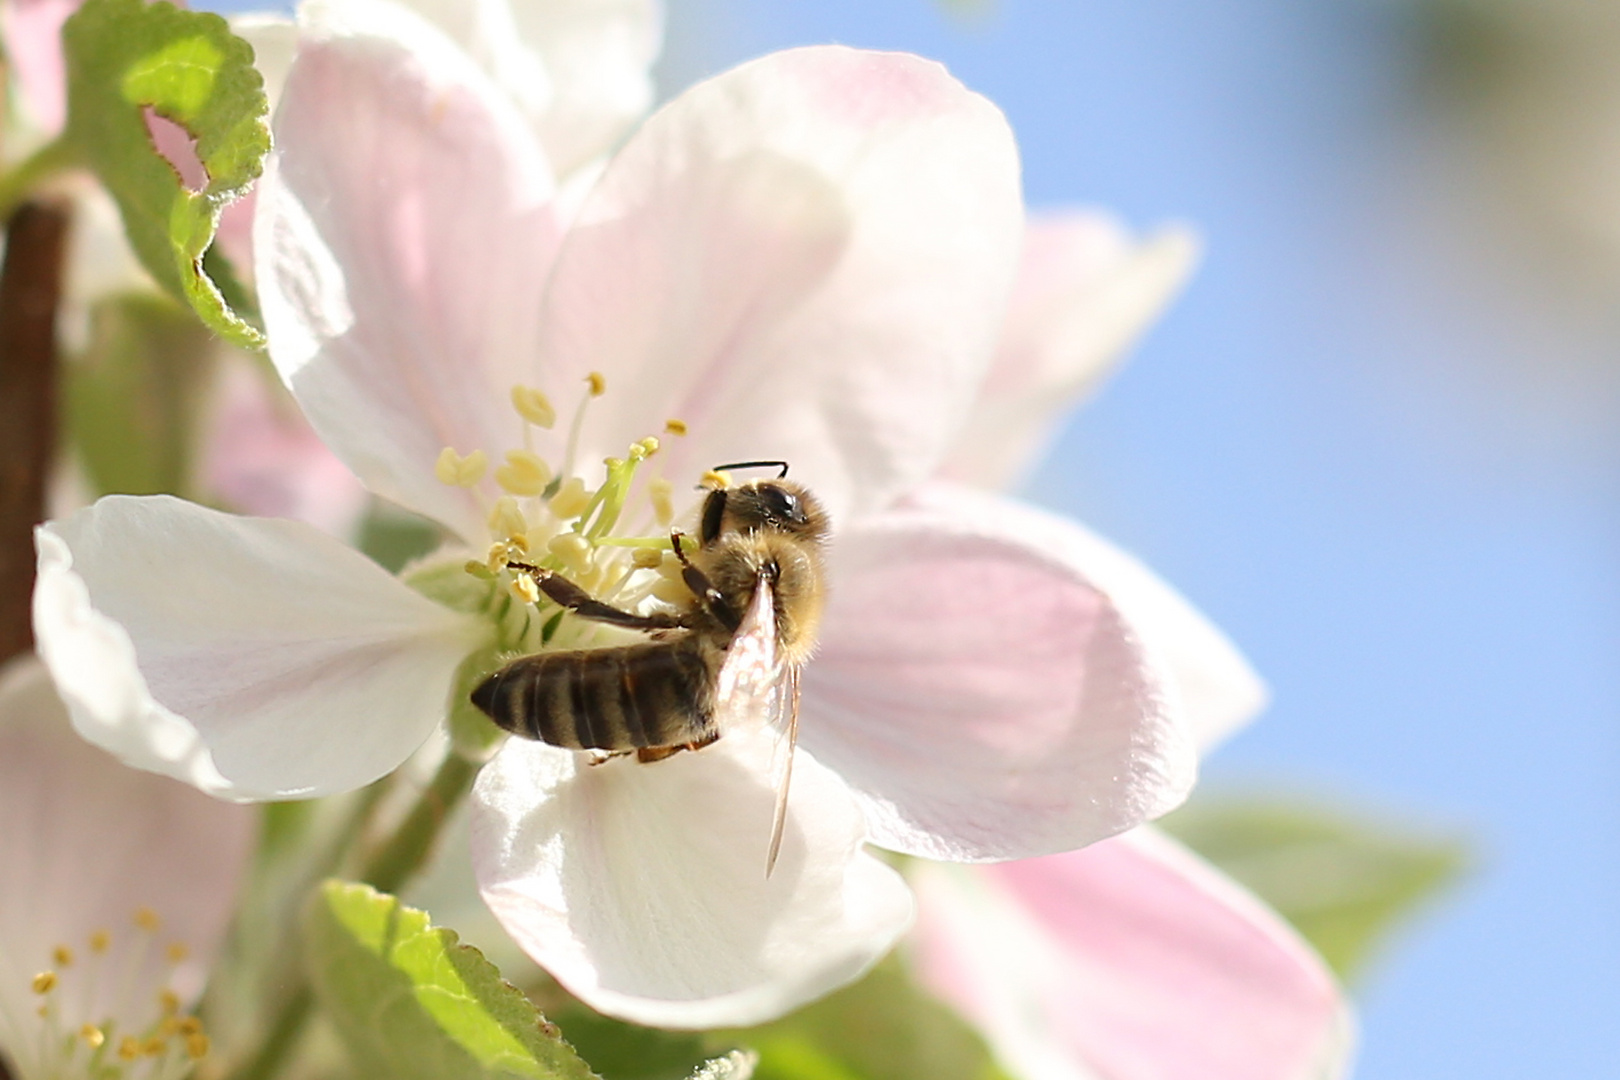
(1131, 959)
(1219, 691)
(402, 237)
(642, 888)
(86, 842)
(251, 658)
(804, 258)
(983, 694)
(1086, 291)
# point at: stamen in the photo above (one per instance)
(646, 558)
(62, 956)
(524, 588)
(153, 1047)
(147, 919)
(478, 570)
(169, 1000)
(572, 548)
(177, 952)
(44, 982)
(93, 1036)
(571, 499)
(458, 471)
(534, 406)
(662, 494)
(675, 427)
(646, 448)
(197, 1046)
(129, 1048)
(524, 473)
(597, 383)
(100, 941)
(505, 519)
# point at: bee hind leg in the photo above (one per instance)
(646, 755)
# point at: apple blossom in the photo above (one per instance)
(116, 891)
(806, 257)
(1130, 960)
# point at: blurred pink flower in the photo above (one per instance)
(116, 892)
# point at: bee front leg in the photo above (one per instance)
(712, 599)
(569, 595)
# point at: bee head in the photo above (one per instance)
(778, 505)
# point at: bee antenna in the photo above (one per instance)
(756, 465)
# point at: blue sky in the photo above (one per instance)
(1348, 445)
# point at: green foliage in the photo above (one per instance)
(1343, 883)
(410, 1001)
(125, 57)
(132, 400)
(621, 1051)
(881, 1028)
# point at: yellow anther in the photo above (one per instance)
(146, 919)
(169, 1027)
(572, 549)
(674, 426)
(650, 444)
(524, 473)
(100, 941)
(93, 1036)
(44, 982)
(505, 519)
(714, 481)
(646, 558)
(571, 499)
(129, 1048)
(177, 952)
(190, 1025)
(169, 1000)
(524, 588)
(518, 542)
(458, 471)
(154, 1047)
(62, 956)
(533, 406)
(671, 591)
(197, 1046)
(478, 569)
(597, 382)
(662, 494)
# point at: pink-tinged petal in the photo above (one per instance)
(33, 48)
(249, 657)
(1218, 690)
(804, 258)
(597, 56)
(987, 697)
(1130, 960)
(86, 843)
(642, 888)
(1086, 290)
(261, 457)
(402, 238)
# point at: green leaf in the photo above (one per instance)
(621, 1051)
(1343, 882)
(881, 1028)
(125, 57)
(132, 401)
(409, 1001)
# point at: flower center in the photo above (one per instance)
(106, 1009)
(550, 518)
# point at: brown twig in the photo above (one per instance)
(30, 287)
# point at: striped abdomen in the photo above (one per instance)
(655, 695)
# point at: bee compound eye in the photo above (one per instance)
(780, 503)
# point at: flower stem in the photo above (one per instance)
(408, 849)
(404, 853)
(30, 286)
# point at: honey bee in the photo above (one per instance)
(730, 655)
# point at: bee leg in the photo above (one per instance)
(648, 754)
(575, 599)
(712, 599)
(602, 757)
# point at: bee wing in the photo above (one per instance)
(756, 687)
